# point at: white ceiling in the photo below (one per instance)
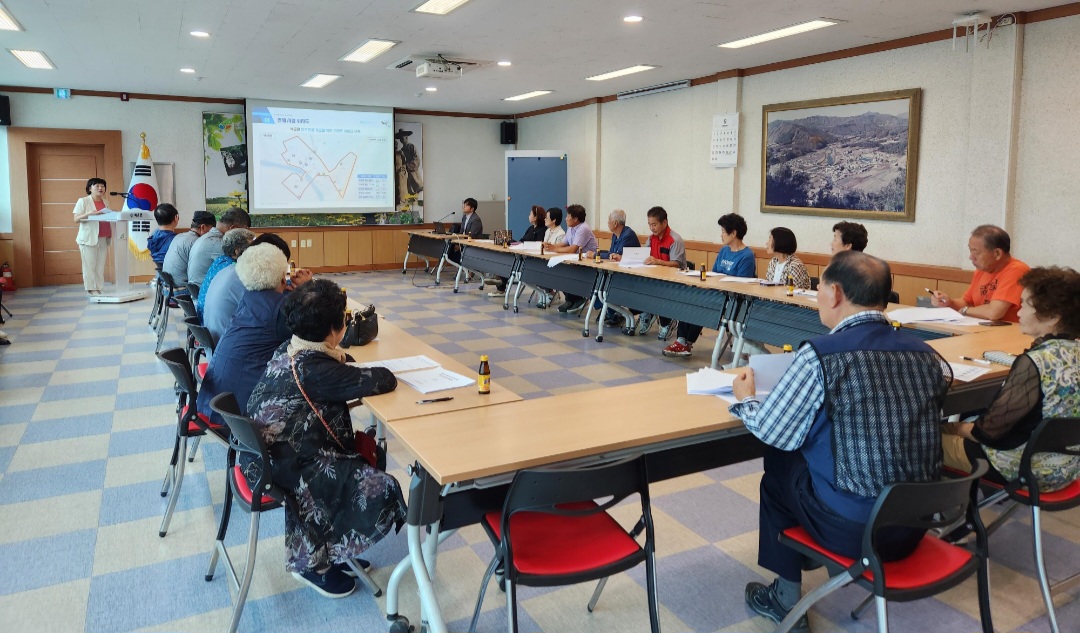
(265, 48)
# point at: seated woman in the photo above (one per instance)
(256, 330)
(344, 506)
(781, 246)
(536, 230)
(554, 236)
(1044, 382)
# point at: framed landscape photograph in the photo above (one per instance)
(848, 157)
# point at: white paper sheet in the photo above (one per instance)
(708, 382)
(633, 257)
(967, 373)
(930, 315)
(697, 273)
(768, 368)
(528, 247)
(396, 365)
(558, 259)
(742, 280)
(799, 292)
(436, 379)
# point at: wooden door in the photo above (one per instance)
(311, 249)
(57, 176)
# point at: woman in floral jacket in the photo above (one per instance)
(343, 505)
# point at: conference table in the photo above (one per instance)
(430, 246)
(465, 460)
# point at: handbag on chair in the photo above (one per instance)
(362, 327)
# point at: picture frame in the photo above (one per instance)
(853, 157)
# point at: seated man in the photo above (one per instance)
(232, 246)
(579, 238)
(208, 247)
(167, 217)
(994, 293)
(848, 236)
(176, 259)
(735, 259)
(471, 225)
(858, 409)
(622, 236)
(666, 248)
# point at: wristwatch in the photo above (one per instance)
(964, 310)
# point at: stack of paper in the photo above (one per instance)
(396, 365)
(634, 256)
(528, 247)
(709, 382)
(558, 259)
(967, 373)
(931, 315)
(742, 280)
(697, 273)
(421, 373)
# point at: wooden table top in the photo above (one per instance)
(432, 234)
(1005, 339)
(393, 342)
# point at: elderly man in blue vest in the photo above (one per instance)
(832, 427)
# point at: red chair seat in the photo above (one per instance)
(243, 490)
(202, 370)
(551, 544)
(932, 561)
(195, 429)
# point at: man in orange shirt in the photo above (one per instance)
(994, 293)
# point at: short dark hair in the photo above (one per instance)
(95, 181)
(165, 214)
(576, 211)
(733, 223)
(993, 236)
(1054, 291)
(275, 239)
(556, 215)
(657, 212)
(314, 309)
(783, 240)
(866, 280)
(236, 218)
(538, 212)
(470, 202)
(853, 234)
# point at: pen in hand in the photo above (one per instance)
(975, 360)
(446, 399)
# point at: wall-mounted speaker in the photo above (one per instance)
(508, 133)
(5, 110)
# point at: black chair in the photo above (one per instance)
(203, 346)
(187, 305)
(814, 281)
(160, 294)
(552, 532)
(189, 424)
(894, 297)
(243, 438)
(1052, 435)
(933, 567)
(169, 295)
(193, 289)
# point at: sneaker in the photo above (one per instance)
(669, 330)
(645, 323)
(345, 569)
(677, 349)
(333, 584)
(762, 599)
(574, 306)
(497, 293)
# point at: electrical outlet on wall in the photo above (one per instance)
(494, 197)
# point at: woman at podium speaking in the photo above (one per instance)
(94, 237)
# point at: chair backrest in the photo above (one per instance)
(177, 361)
(193, 289)
(540, 490)
(1052, 435)
(814, 281)
(187, 305)
(894, 297)
(199, 331)
(243, 438)
(168, 279)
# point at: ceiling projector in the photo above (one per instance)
(438, 70)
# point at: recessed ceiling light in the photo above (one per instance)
(431, 89)
(439, 7)
(319, 80)
(33, 59)
(187, 70)
(504, 63)
(200, 34)
(794, 29)
(7, 22)
(369, 50)
(528, 95)
(632, 19)
(619, 73)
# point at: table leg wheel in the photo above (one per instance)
(455, 290)
(402, 271)
(400, 624)
(600, 338)
(629, 331)
(515, 309)
(585, 333)
(506, 307)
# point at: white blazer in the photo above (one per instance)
(88, 229)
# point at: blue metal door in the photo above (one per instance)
(533, 180)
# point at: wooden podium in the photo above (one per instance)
(121, 291)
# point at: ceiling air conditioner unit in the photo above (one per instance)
(651, 90)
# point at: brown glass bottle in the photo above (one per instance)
(483, 376)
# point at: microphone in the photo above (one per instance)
(119, 193)
(446, 216)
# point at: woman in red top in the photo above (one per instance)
(94, 237)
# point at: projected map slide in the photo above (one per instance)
(321, 160)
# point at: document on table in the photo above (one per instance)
(634, 257)
(967, 373)
(768, 368)
(805, 293)
(435, 379)
(709, 382)
(931, 315)
(742, 280)
(397, 365)
(558, 259)
(527, 247)
(697, 273)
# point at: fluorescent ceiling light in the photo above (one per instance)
(200, 34)
(619, 73)
(33, 59)
(7, 22)
(431, 89)
(528, 95)
(369, 50)
(794, 29)
(319, 80)
(504, 63)
(187, 70)
(439, 7)
(632, 19)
